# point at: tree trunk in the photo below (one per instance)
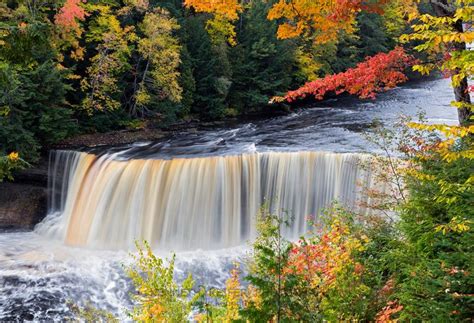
(461, 92)
(445, 8)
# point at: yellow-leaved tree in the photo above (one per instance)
(224, 14)
(443, 37)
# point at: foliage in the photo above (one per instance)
(443, 38)
(322, 20)
(375, 74)
(263, 64)
(435, 280)
(430, 276)
(270, 256)
(211, 87)
(69, 15)
(224, 13)
(10, 163)
(396, 16)
(328, 275)
(33, 111)
(101, 87)
(374, 37)
(160, 51)
(216, 305)
(159, 298)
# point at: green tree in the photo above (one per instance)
(266, 271)
(373, 35)
(436, 280)
(263, 65)
(210, 92)
(33, 109)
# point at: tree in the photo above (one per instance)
(378, 73)
(320, 20)
(159, 52)
(211, 85)
(373, 37)
(33, 109)
(101, 87)
(158, 297)
(224, 13)
(444, 39)
(266, 272)
(263, 64)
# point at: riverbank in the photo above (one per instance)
(23, 203)
(332, 125)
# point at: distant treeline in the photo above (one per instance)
(72, 67)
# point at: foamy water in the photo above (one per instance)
(42, 271)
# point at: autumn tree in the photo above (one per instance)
(159, 52)
(101, 86)
(224, 14)
(444, 37)
(320, 20)
(69, 29)
(377, 73)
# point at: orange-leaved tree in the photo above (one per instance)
(320, 20)
(69, 30)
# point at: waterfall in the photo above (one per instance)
(192, 203)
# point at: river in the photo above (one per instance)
(195, 193)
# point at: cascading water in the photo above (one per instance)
(191, 203)
(203, 200)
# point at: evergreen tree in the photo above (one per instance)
(373, 36)
(33, 110)
(209, 99)
(263, 65)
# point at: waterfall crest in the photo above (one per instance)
(191, 203)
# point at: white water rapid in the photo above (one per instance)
(196, 193)
(193, 203)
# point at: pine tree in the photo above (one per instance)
(33, 109)
(262, 63)
(209, 101)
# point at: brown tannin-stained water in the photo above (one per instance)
(193, 193)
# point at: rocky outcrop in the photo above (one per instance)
(24, 203)
(21, 206)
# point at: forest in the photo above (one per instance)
(75, 67)
(97, 66)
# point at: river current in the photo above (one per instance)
(217, 178)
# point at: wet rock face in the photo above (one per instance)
(21, 205)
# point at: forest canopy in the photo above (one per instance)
(69, 67)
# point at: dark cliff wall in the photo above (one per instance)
(24, 203)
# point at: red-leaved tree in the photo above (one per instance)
(377, 73)
(69, 14)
